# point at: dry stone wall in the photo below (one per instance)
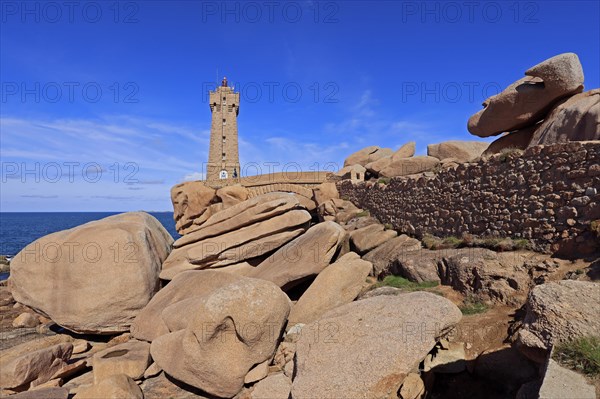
(548, 194)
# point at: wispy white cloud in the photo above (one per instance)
(104, 141)
(194, 176)
(127, 155)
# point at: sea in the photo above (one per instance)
(18, 229)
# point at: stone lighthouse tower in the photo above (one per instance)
(223, 157)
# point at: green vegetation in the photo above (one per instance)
(401, 282)
(383, 180)
(472, 305)
(362, 214)
(521, 243)
(468, 240)
(433, 242)
(388, 226)
(452, 242)
(581, 355)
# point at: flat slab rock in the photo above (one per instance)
(369, 237)
(367, 348)
(561, 383)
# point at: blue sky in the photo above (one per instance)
(104, 104)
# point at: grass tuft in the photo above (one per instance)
(468, 240)
(581, 355)
(433, 242)
(362, 214)
(472, 305)
(405, 284)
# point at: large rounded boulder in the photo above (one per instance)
(574, 119)
(93, 278)
(216, 338)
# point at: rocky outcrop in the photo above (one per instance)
(94, 278)
(220, 336)
(231, 195)
(418, 266)
(335, 356)
(324, 192)
(574, 119)
(190, 201)
(385, 257)
(306, 256)
(459, 151)
(337, 210)
(338, 284)
(377, 166)
(244, 231)
(529, 99)
(366, 155)
(406, 151)
(359, 222)
(114, 386)
(369, 237)
(21, 370)
(241, 215)
(150, 324)
(519, 140)
(496, 276)
(559, 312)
(409, 166)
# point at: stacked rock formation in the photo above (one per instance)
(304, 294)
(547, 106)
(375, 162)
(240, 233)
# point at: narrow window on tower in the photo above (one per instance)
(224, 122)
(223, 156)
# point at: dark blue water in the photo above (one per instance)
(17, 229)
